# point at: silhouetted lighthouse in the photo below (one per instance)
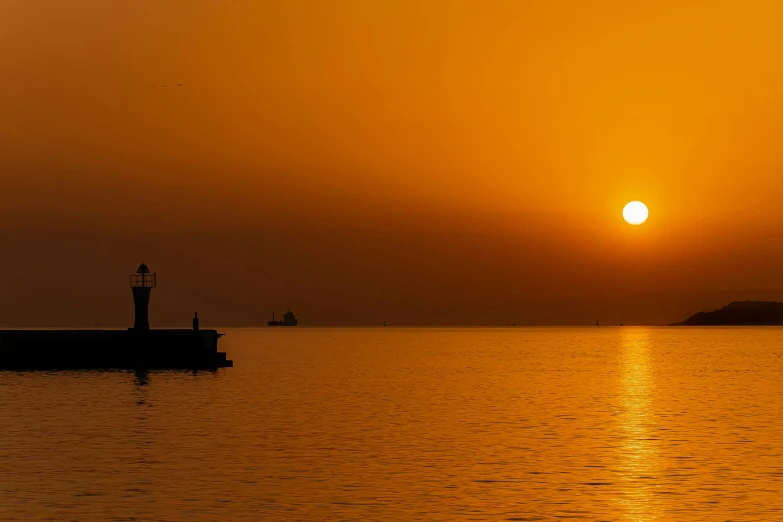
(138, 348)
(142, 283)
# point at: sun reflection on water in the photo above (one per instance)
(638, 449)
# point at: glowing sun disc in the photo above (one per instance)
(635, 213)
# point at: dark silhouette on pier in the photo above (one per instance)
(137, 348)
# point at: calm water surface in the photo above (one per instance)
(411, 424)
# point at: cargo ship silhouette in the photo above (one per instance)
(289, 319)
(136, 348)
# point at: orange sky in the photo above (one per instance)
(420, 162)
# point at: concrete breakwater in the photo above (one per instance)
(135, 348)
(120, 349)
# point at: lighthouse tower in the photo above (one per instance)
(142, 283)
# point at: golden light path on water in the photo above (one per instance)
(638, 448)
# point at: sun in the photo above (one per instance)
(635, 213)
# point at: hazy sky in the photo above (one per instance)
(420, 162)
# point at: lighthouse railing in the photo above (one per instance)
(143, 280)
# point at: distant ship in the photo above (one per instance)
(289, 319)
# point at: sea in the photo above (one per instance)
(410, 424)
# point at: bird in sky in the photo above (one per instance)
(179, 85)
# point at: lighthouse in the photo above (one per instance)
(142, 283)
(137, 348)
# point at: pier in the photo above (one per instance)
(138, 347)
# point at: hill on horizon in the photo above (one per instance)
(749, 313)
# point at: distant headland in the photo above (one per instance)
(748, 313)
